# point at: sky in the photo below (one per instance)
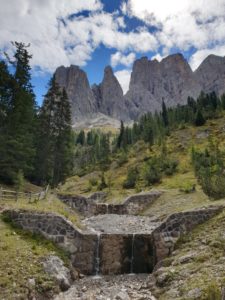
(96, 33)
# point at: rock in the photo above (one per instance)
(74, 80)
(186, 258)
(54, 266)
(31, 282)
(210, 74)
(171, 80)
(122, 296)
(195, 293)
(109, 96)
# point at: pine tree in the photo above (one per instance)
(199, 119)
(54, 159)
(120, 136)
(17, 149)
(165, 114)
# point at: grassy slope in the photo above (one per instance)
(20, 260)
(203, 271)
(179, 145)
(21, 253)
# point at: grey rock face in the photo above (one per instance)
(109, 96)
(75, 81)
(54, 266)
(171, 80)
(211, 74)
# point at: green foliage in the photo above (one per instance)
(213, 291)
(93, 181)
(164, 115)
(19, 181)
(199, 119)
(151, 171)
(209, 169)
(102, 184)
(55, 138)
(18, 109)
(132, 177)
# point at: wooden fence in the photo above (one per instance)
(16, 195)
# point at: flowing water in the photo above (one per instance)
(132, 255)
(97, 258)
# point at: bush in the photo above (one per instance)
(132, 177)
(93, 181)
(169, 166)
(213, 291)
(151, 172)
(122, 159)
(102, 184)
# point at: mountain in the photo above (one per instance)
(75, 81)
(171, 80)
(109, 96)
(211, 74)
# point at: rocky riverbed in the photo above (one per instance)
(121, 224)
(120, 287)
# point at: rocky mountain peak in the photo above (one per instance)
(211, 74)
(75, 81)
(171, 80)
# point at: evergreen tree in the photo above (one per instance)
(165, 114)
(199, 119)
(120, 136)
(54, 159)
(17, 148)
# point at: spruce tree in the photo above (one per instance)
(120, 136)
(17, 149)
(199, 119)
(165, 114)
(54, 158)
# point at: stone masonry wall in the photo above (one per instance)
(56, 228)
(167, 234)
(132, 205)
(116, 253)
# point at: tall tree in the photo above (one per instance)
(17, 149)
(54, 157)
(165, 114)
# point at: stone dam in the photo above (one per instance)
(112, 243)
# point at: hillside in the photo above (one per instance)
(177, 196)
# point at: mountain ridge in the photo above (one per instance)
(171, 80)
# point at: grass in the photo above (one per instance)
(206, 270)
(50, 204)
(20, 260)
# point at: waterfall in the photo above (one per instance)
(107, 208)
(97, 257)
(132, 255)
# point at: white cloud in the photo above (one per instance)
(182, 23)
(158, 57)
(119, 58)
(200, 55)
(124, 79)
(56, 39)
(38, 22)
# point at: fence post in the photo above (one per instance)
(1, 193)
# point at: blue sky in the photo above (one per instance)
(96, 33)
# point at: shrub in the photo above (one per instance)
(93, 181)
(213, 291)
(151, 172)
(131, 179)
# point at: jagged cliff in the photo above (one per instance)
(171, 80)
